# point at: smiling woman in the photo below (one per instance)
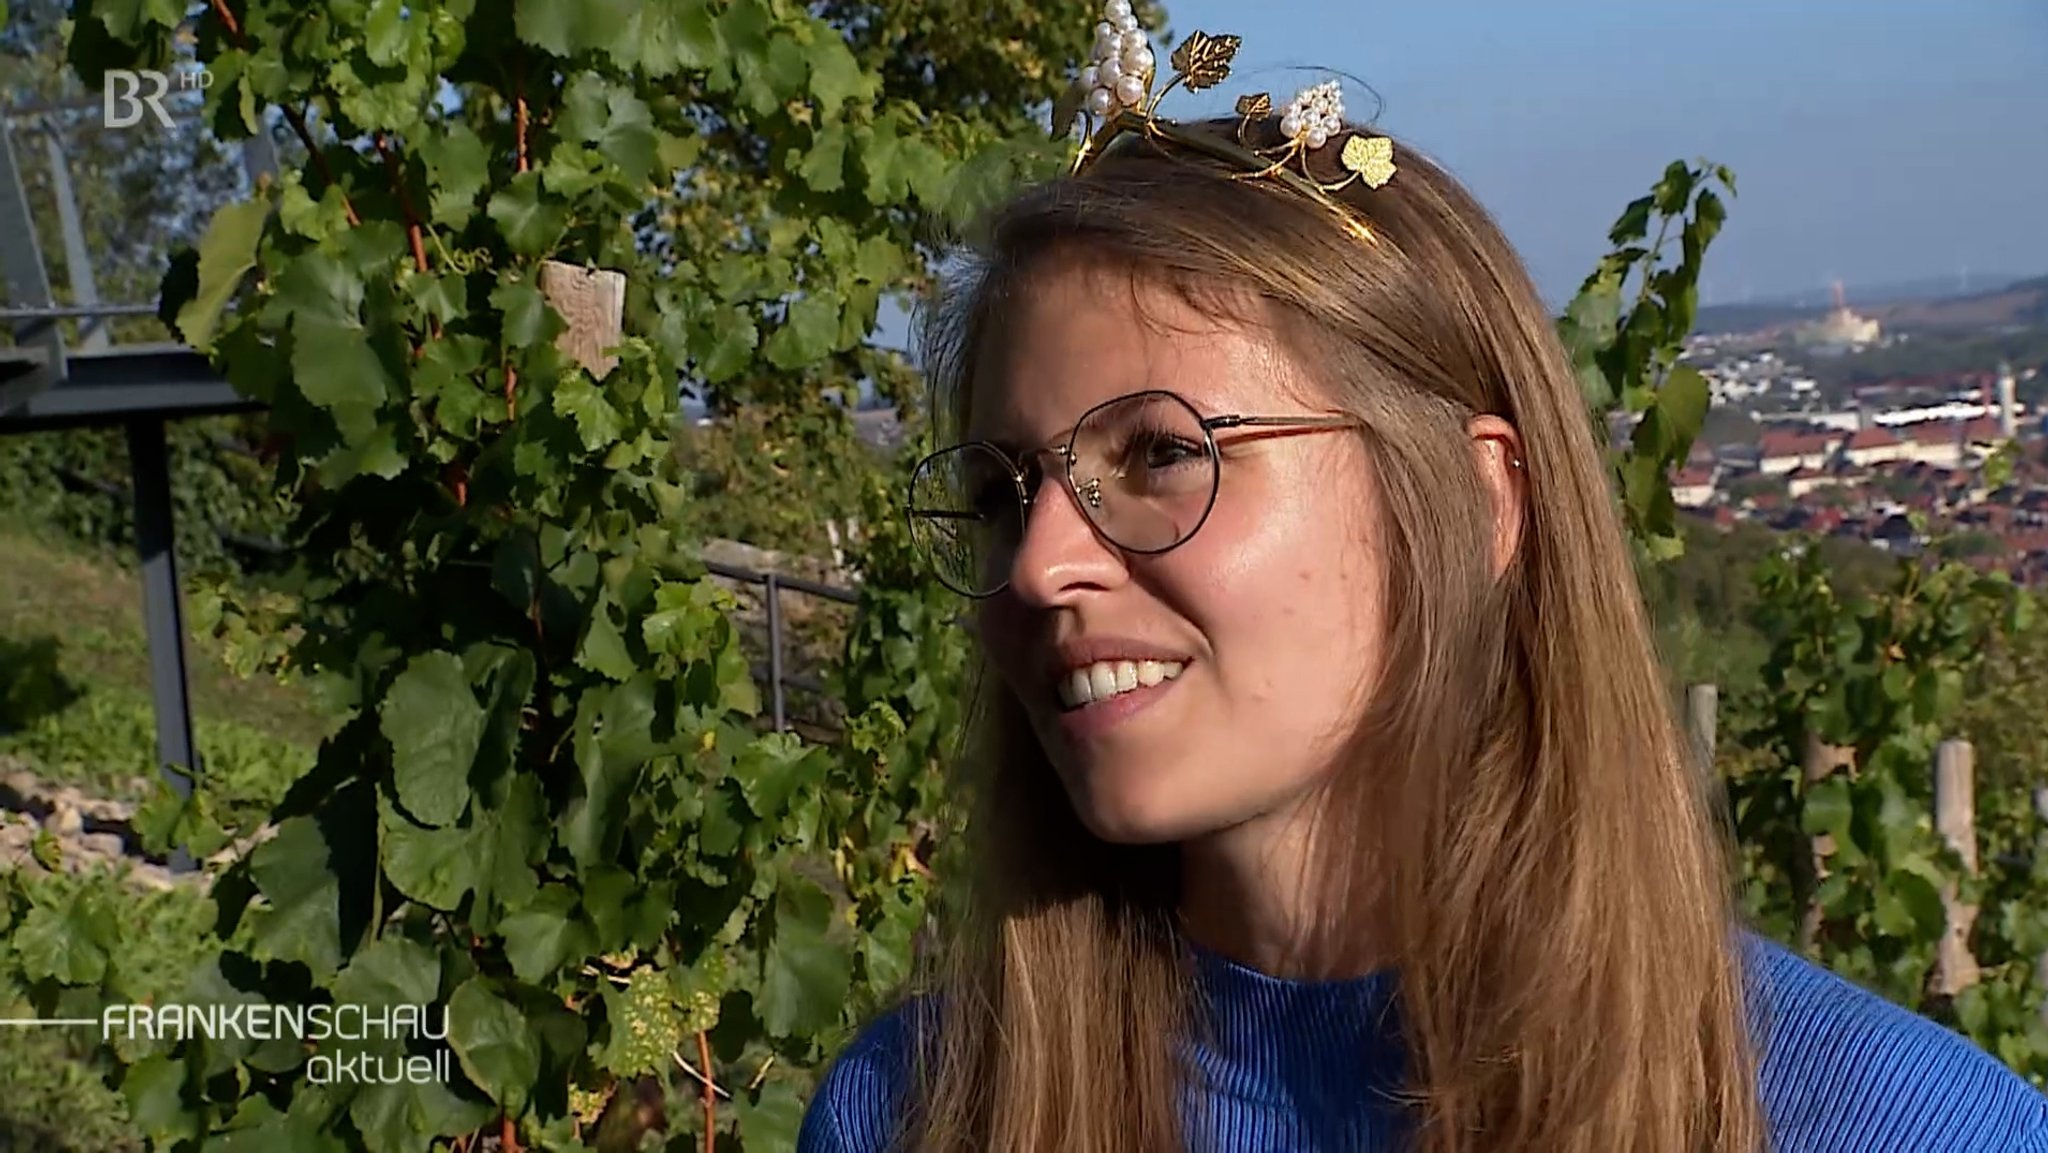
(1328, 797)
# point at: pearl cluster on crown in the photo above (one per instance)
(1315, 114)
(1119, 74)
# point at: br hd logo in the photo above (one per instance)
(125, 94)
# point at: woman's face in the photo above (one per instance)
(1272, 611)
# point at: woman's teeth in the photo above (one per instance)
(1105, 679)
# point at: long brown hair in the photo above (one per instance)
(1544, 866)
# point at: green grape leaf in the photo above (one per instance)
(528, 318)
(154, 1088)
(532, 223)
(391, 971)
(402, 1117)
(384, 33)
(458, 165)
(226, 254)
(598, 424)
(304, 920)
(836, 77)
(491, 1038)
(71, 943)
(436, 867)
(772, 1118)
(545, 934)
(612, 120)
(808, 333)
(434, 724)
(824, 166)
(338, 370)
(805, 975)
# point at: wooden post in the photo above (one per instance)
(1822, 760)
(1702, 709)
(2041, 964)
(1955, 818)
(593, 302)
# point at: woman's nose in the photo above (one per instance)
(1061, 554)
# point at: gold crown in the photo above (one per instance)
(1114, 95)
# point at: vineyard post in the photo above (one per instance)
(1955, 819)
(1822, 761)
(2041, 964)
(1702, 708)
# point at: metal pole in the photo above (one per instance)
(773, 585)
(163, 619)
(22, 276)
(75, 312)
(85, 289)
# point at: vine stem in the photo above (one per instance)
(519, 117)
(292, 115)
(508, 1135)
(412, 219)
(377, 888)
(1650, 265)
(710, 1095)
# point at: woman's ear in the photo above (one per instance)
(1497, 451)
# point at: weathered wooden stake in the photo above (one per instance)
(2041, 965)
(1702, 708)
(1955, 818)
(593, 302)
(1822, 760)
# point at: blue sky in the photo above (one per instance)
(1877, 142)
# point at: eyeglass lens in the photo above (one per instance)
(1142, 469)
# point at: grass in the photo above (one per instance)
(75, 691)
(94, 608)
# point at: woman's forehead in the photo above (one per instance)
(1074, 340)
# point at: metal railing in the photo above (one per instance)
(777, 675)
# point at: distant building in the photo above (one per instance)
(2008, 402)
(1870, 446)
(1802, 481)
(1693, 487)
(1787, 451)
(878, 427)
(1841, 330)
(1937, 442)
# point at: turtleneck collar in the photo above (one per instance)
(1322, 1046)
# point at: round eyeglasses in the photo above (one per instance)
(1143, 469)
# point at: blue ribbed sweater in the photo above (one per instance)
(1294, 1067)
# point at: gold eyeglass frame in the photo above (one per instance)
(1088, 494)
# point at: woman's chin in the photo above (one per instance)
(1140, 814)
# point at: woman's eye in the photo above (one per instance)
(993, 499)
(1158, 452)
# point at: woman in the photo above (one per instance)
(1327, 793)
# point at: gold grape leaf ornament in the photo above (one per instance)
(1371, 157)
(1114, 94)
(1203, 61)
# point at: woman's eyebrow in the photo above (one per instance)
(1006, 443)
